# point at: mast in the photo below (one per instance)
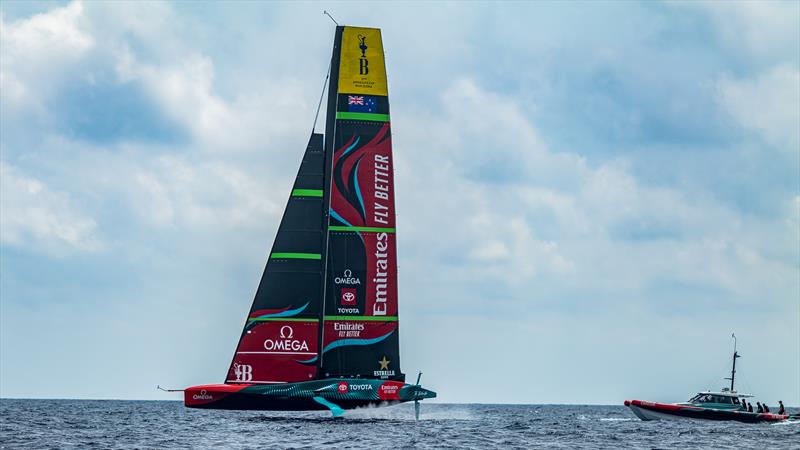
(330, 126)
(735, 355)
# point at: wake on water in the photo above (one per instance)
(405, 412)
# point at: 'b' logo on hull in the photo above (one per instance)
(243, 372)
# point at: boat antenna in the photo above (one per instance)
(329, 15)
(735, 355)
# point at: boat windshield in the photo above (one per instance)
(711, 398)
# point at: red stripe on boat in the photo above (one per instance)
(661, 406)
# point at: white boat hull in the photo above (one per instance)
(646, 414)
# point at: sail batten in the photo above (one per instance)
(362, 116)
(307, 193)
(288, 255)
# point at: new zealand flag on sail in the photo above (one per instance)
(361, 103)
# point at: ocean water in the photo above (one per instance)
(43, 424)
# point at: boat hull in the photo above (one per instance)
(304, 396)
(668, 411)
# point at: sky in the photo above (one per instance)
(591, 196)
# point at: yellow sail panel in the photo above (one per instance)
(362, 69)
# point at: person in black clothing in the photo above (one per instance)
(749, 407)
(744, 405)
(781, 409)
(766, 408)
(760, 408)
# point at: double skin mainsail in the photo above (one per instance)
(322, 332)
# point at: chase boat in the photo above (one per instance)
(722, 405)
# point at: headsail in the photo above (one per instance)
(282, 328)
(360, 335)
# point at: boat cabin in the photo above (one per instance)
(725, 399)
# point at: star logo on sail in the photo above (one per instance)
(383, 371)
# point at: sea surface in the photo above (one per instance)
(43, 424)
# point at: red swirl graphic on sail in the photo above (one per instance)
(363, 184)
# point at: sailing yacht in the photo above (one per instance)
(323, 329)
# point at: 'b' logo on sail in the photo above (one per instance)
(363, 64)
(243, 372)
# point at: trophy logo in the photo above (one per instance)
(363, 64)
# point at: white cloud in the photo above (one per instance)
(51, 35)
(184, 90)
(163, 186)
(552, 218)
(763, 31)
(768, 104)
(166, 191)
(34, 215)
(175, 192)
(144, 54)
(52, 39)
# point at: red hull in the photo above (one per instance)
(331, 393)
